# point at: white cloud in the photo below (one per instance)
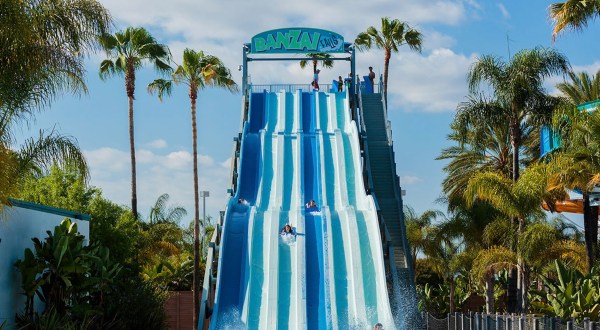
(157, 144)
(106, 160)
(409, 179)
(433, 83)
(503, 10)
(157, 174)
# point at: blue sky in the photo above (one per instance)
(424, 88)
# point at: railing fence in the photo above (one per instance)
(481, 321)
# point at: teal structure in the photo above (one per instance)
(550, 141)
(348, 264)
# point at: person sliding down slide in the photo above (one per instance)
(312, 207)
(288, 234)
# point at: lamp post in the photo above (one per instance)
(204, 194)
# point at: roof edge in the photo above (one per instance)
(49, 209)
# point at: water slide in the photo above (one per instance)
(296, 147)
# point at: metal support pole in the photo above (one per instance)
(456, 316)
(522, 322)
(245, 50)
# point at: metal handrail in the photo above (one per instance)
(290, 88)
(207, 301)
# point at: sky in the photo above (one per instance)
(424, 89)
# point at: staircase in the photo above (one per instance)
(384, 181)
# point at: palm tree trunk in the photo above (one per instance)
(590, 228)
(386, 66)
(452, 294)
(489, 294)
(196, 277)
(524, 287)
(513, 285)
(130, 88)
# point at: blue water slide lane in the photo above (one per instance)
(259, 225)
(316, 305)
(233, 259)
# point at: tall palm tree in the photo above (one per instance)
(324, 58)
(198, 71)
(394, 33)
(582, 87)
(42, 48)
(127, 51)
(519, 84)
(573, 14)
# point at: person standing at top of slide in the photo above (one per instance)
(372, 76)
(316, 79)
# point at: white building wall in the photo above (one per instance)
(18, 225)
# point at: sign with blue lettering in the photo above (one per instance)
(297, 40)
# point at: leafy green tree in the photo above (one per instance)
(573, 14)
(518, 86)
(127, 51)
(394, 33)
(577, 167)
(516, 200)
(42, 48)
(69, 276)
(198, 71)
(34, 158)
(418, 228)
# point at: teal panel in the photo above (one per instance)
(297, 40)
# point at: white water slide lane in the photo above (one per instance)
(357, 287)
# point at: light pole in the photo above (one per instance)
(204, 194)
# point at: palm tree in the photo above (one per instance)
(582, 88)
(198, 71)
(516, 200)
(127, 51)
(575, 162)
(42, 48)
(577, 167)
(34, 157)
(324, 58)
(418, 228)
(394, 33)
(479, 146)
(573, 14)
(161, 213)
(519, 85)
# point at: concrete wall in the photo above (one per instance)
(18, 225)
